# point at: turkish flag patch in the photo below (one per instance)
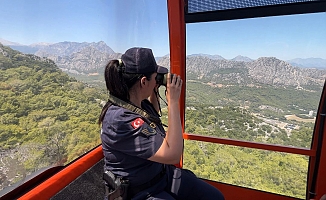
(137, 123)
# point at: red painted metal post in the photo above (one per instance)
(177, 35)
(320, 181)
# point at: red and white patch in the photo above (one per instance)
(137, 123)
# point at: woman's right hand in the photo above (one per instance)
(174, 87)
(170, 150)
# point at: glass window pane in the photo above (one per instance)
(256, 79)
(52, 88)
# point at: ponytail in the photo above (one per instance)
(118, 83)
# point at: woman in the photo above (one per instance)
(135, 145)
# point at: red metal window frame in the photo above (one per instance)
(176, 20)
(177, 33)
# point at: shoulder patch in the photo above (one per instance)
(148, 131)
(137, 123)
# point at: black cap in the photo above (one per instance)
(141, 61)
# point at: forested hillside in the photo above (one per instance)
(276, 172)
(265, 101)
(46, 117)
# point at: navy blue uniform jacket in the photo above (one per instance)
(128, 140)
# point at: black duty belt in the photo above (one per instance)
(134, 190)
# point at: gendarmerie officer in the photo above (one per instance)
(139, 154)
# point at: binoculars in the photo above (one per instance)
(161, 79)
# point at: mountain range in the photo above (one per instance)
(264, 70)
(89, 58)
(63, 49)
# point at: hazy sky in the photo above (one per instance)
(125, 23)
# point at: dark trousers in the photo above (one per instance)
(180, 184)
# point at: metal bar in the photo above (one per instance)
(254, 145)
(261, 11)
(177, 36)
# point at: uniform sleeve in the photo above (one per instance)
(128, 133)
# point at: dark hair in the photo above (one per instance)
(118, 83)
